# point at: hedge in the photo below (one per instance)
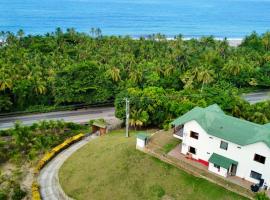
(47, 157)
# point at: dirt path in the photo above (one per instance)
(48, 179)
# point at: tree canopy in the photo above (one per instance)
(67, 67)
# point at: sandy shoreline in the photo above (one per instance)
(233, 42)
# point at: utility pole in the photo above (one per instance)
(127, 116)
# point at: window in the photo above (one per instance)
(239, 147)
(255, 175)
(224, 145)
(194, 135)
(259, 158)
(211, 137)
(192, 150)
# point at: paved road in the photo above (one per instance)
(256, 97)
(50, 188)
(78, 116)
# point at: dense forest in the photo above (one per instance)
(163, 78)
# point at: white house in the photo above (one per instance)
(227, 145)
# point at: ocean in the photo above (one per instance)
(191, 18)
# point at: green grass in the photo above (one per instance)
(111, 168)
(170, 145)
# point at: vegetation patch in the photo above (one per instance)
(22, 146)
(111, 168)
(171, 145)
(162, 78)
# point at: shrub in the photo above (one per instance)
(3, 157)
(261, 196)
(48, 156)
(35, 191)
(41, 108)
(3, 196)
(5, 133)
(73, 126)
(18, 193)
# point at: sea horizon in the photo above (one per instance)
(233, 19)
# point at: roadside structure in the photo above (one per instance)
(228, 146)
(99, 127)
(142, 140)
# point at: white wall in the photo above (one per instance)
(222, 172)
(244, 155)
(140, 143)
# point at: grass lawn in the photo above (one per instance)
(111, 168)
(171, 145)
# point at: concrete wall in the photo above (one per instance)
(207, 144)
(222, 171)
(140, 143)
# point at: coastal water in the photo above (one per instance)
(192, 18)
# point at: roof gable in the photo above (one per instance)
(99, 123)
(215, 122)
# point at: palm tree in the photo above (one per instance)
(253, 82)
(114, 73)
(39, 85)
(138, 118)
(266, 41)
(136, 75)
(205, 76)
(5, 84)
(22, 135)
(168, 70)
(187, 79)
(233, 67)
(5, 81)
(20, 33)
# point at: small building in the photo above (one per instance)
(228, 146)
(142, 140)
(99, 127)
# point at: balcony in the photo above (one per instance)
(178, 132)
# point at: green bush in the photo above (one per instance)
(5, 133)
(3, 157)
(73, 126)
(261, 196)
(18, 193)
(3, 196)
(41, 108)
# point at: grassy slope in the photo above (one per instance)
(111, 168)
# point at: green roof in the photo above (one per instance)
(213, 120)
(222, 161)
(99, 123)
(142, 135)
